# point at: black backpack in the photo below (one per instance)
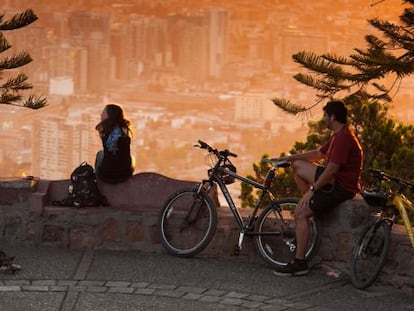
(83, 189)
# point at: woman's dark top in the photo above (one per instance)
(116, 165)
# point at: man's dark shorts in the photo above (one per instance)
(329, 196)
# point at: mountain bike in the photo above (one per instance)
(188, 219)
(371, 249)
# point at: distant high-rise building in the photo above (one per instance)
(97, 64)
(258, 108)
(51, 140)
(92, 32)
(216, 22)
(254, 107)
(131, 49)
(61, 143)
(62, 86)
(199, 43)
(187, 39)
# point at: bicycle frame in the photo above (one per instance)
(215, 176)
(245, 228)
(402, 203)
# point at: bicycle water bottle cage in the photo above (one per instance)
(226, 178)
(375, 198)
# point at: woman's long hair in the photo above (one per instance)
(115, 119)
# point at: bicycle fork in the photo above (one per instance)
(238, 246)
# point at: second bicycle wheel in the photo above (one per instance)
(276, 238)
(187, 222)
(369, 254)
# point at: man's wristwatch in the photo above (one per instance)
(312, 188)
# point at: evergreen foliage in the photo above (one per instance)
(11, 89)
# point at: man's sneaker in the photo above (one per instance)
(296, 267)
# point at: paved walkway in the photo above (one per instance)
(66, 280)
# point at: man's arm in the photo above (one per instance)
(328, 175)
(312, 155)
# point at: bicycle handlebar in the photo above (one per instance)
(226, 153)
(381, 175)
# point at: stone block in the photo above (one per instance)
(31, 231)
(52, 233)
(12, 227)
(109, 231)
(57, 190)
(135, 232)
(344, 246)
(327, 248)
(37, 202)
(154, 234)
(341, 228)
(82, 238)
(16, 191)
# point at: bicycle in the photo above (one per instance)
(188, 219)
(372, 247)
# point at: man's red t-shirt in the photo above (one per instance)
(343, 148)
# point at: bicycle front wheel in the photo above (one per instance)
(369, 254)
(187, 222)
(276, 238)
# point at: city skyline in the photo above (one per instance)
(183, 70)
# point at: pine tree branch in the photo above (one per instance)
(328, 66)
(4, 44)
(15, 61)
(387, 28)
(8, 98)
(382, 97)
(292, 108)
(19, 20)
(336, 59)
(380, 87)
(375, 42)
(10, 90)
(400, 37)
(316, 63)
(17, 83)
(34, 102)
(309, 80)
(408, 17)
(288, 106)
(326, 86)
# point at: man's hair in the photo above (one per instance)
(337, 108)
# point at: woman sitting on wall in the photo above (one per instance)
(114, 163)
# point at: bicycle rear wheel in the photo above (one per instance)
(276, 238)
(369, 254)
(187, 222)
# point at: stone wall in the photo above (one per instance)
(27, 216)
